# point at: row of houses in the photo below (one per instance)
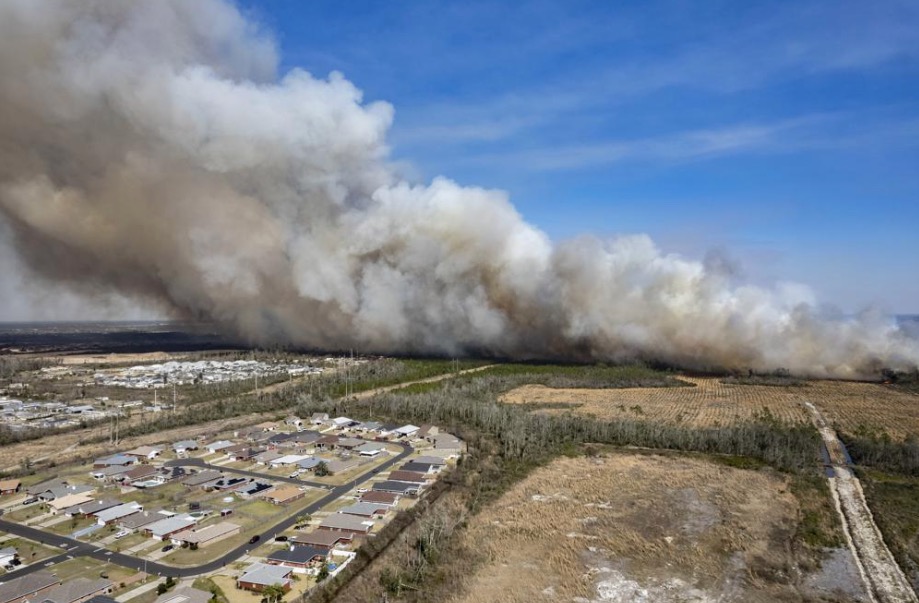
(45, 587)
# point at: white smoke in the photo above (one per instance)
(149, 148)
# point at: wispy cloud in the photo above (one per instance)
(819, 131)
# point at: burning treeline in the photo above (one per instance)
(152, 149)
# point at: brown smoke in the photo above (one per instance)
(150, 148)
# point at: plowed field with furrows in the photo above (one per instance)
(849, 405)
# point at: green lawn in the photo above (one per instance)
(30, 551)
(186, 556)
(25, 512)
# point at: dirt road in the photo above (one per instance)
(388, 388)
(884, 580)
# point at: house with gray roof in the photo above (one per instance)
(338, 522)
(119, 460)
(204, 479)
(218, 446)
(299, 558)
(27, 588)
(92, 507)
(165, 528)
(397, 487)
(140, 520)
(184, 446)
(77, 590)
(117, 513)
(365, 509)
(260, 575)
(185, 594)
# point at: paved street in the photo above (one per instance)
(75, 548)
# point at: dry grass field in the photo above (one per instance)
(712, 403)
(647, 528)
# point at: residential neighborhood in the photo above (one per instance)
(270, 504)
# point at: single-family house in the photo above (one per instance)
(241, 452)
(309, 463)
(202, 537)
(140, 520)
(254, 488)
(182, 447)
(323, 539)
(446, 441)
(9, 486)
(328, 442)
(117, 460)
(145, 453)
(62, 491)
(369, 427)
(258, 576)
(365, 509)
(228, 484)
(319, 418)
(407, 431)
(407, 476)
(65, 502)
(430, 460)
(30, 587)
(338, 522)
(203, 479)
(287, 459)
(423, 468)
(111, 474)
(216, 447)
(298, 558)
(117, 514)
(77, 590)
(343, 422)
(294, 421)
(284, 495)
(264, 458)
(91, 508)
(43, 487)
(141, 472)
(380, 498)
(349, 443)
(397, 487)
(165, 528)
(185, 594)
(370, 449)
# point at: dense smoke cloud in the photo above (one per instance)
(150, 148)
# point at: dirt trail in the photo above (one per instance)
(388, 388)
(884, 580)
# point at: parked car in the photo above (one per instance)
(361, 490)
(226, 512)
(122, 534)
(254, 539)
(280, 538)
(30, 500)
(294, 475)
(168, 548)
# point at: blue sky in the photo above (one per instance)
(784, 135)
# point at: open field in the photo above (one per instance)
(851, 405)
(648, 528)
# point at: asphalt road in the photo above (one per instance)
(196, 462)
(75, 548)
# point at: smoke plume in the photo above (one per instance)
(151, 149)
